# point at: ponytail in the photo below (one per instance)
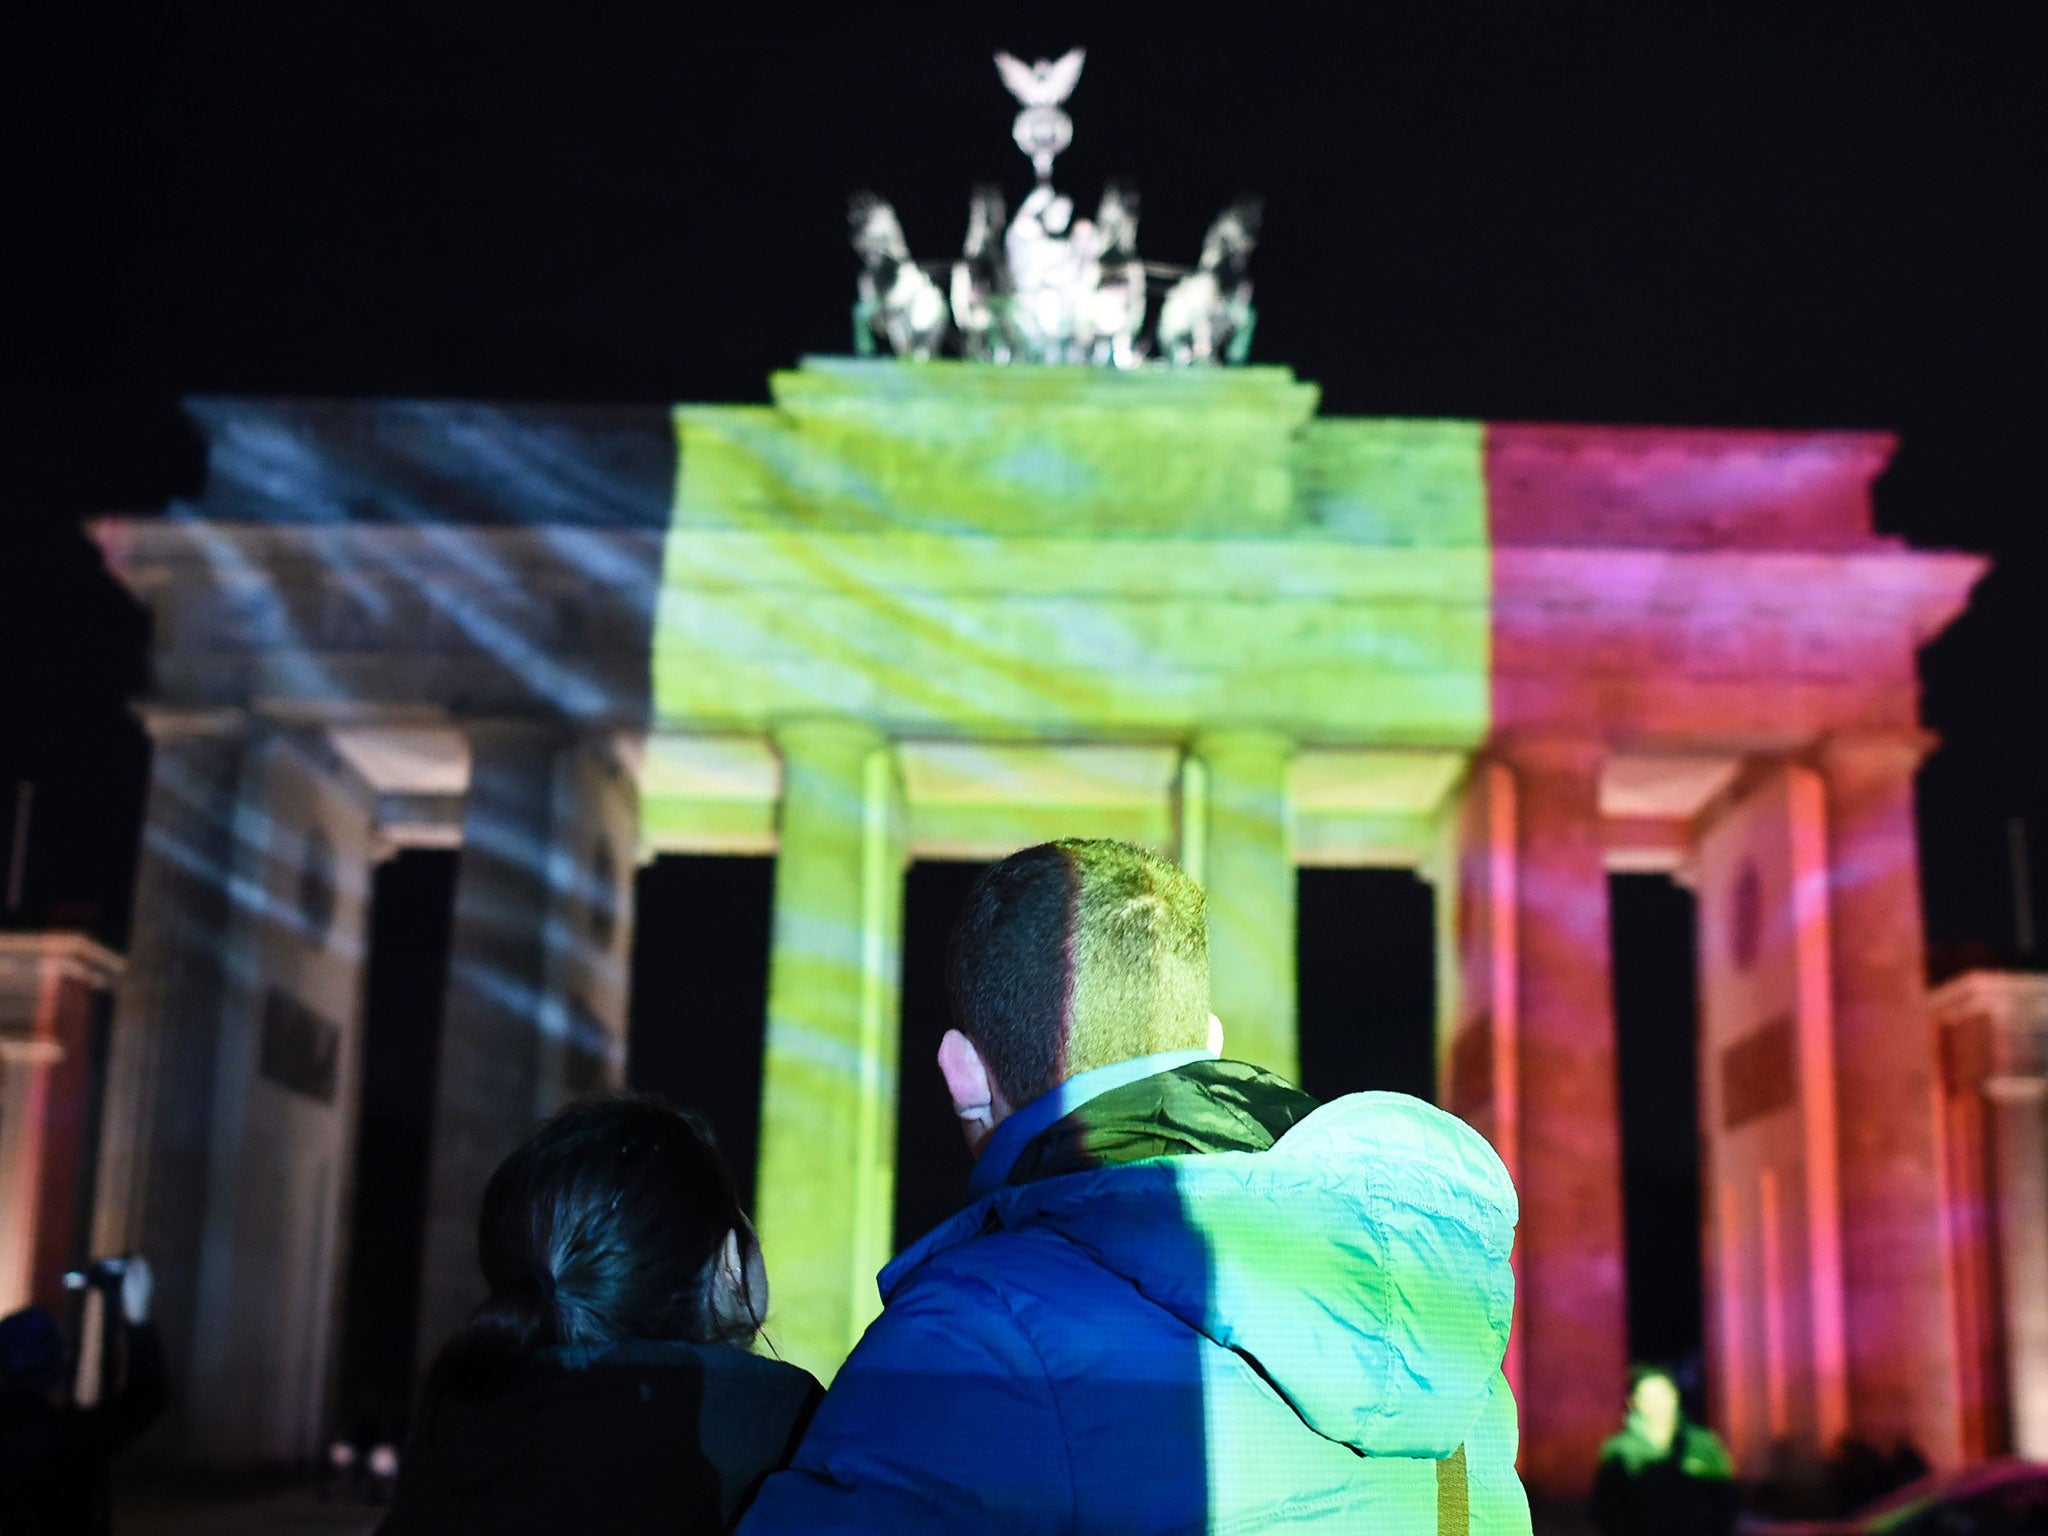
(608, 1224)
(486, 1352)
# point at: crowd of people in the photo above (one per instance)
(1183, 1295)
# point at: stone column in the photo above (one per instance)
(494, 1012)
(159, 1099)
(27, 1063)
(1898, 1305)
(1477, 961)
(1248, 871)
(1571, 1313)
(81, 994)
(590, 929)
(50, 990)
(2019, 1139)
(825, 1190)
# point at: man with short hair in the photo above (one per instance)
(1183, 1297)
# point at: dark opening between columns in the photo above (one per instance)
(931, 1159)
(699, 1007)
(412, 900)
(1657, 1029)
(1365, 951)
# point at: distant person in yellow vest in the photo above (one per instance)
(1663, 1475)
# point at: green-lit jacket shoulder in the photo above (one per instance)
(1700, 1452)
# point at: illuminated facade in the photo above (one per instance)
(54, 992)
(943, 609)
(1992, 1030)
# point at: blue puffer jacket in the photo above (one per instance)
(1302, 1338)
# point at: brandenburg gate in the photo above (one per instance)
(939, 609)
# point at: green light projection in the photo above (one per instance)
(955, 551)
(958, 550)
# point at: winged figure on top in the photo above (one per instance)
(1045, 285)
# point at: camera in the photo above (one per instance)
(101, 1272)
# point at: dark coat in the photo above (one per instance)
(1201, 1304)
(56, 1461)
(1687, 1489)
(611, 1440)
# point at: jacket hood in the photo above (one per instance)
(1360, 1264)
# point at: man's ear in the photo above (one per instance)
(968, 1085)
(966, 1075)
(1215, 1035)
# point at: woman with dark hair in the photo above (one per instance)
(605, 1384)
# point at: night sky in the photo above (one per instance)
(1803, 217)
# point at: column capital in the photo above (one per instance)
(27, 1051)
(829, 733)
(2019, 1048)
(486, 730)
(172, 722)
(1899, 749)
(2016, 1090)
(64, 955)
(1238, 745)
(1552, 751)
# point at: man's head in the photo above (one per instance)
(1653, 1397)
(1069, 956)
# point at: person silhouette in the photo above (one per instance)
(1663, 1475)
(605, 1383)
(1183, 1295)
(57, 1455)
